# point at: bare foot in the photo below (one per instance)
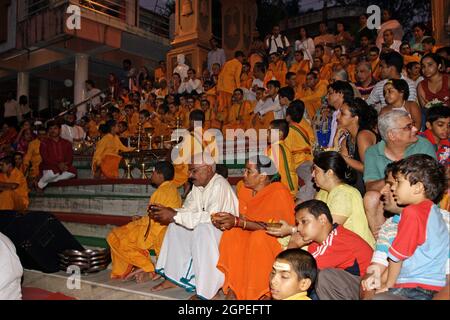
(166, 284)
(194, 297)
(143, 276)
(156, 277)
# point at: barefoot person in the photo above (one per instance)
(190, 249)
(130, 244)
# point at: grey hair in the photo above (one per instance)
(388, 121)
(341, 75)
(366, 64)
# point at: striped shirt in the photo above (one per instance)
(422, 243)
(387, 234)
(376, 97)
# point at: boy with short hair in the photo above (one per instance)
(294, 272)
(419, 252)
(438, 122)
(341, 255)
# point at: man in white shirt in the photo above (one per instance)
(70, 131)
(191, 85)
(190, 251)
(215, 55)
(11, 270)
(271, 103)
(275, 42)
(91, 92)
(11, 108)
(391, 66)
(389, 42)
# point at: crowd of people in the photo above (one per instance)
(357, 177)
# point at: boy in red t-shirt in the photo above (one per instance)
(341, 255)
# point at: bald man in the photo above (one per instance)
(190, 251)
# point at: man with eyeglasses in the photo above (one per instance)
(399, 140)
(190, 251)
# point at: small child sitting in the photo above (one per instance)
(293, 273)
(419, 252)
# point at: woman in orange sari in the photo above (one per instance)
(246, 250)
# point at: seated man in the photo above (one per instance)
(341, 255)
(400, 140)
(13, 187)
(190, 250)
(130, 244)
(57, 157)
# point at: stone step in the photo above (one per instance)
(90, 204)
(99, 286)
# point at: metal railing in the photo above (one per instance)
(113, 8)
(153, 22)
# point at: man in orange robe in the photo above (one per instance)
(300, 67)
(130, 244)
(278, 68)
(315, 90)
(229, 80)
(239, 116)
(246, 251)
(161, 71)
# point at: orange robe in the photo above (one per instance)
(279, 71)
(246, 257)
(239, 116)
(159, 74)
(229, 80)
(301, 69)
(326, 71)
(33, 158)
(351, 71)
(129, 244)
(246, 81)
(106, 155)
(300, 141)
(313, 97)
(376, 72)
(16, 199)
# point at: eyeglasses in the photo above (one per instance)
(408, 127)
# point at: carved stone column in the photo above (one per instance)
(239, 24)
(192, 33)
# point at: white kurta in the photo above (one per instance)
(11, 271)
(190, 250)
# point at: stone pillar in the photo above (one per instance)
(440, 12)
(192, 33)
(131, 12)
(43, 94)
(81, 75)
(239, 24)
(23, 81)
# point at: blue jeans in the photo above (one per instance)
(413, 293)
